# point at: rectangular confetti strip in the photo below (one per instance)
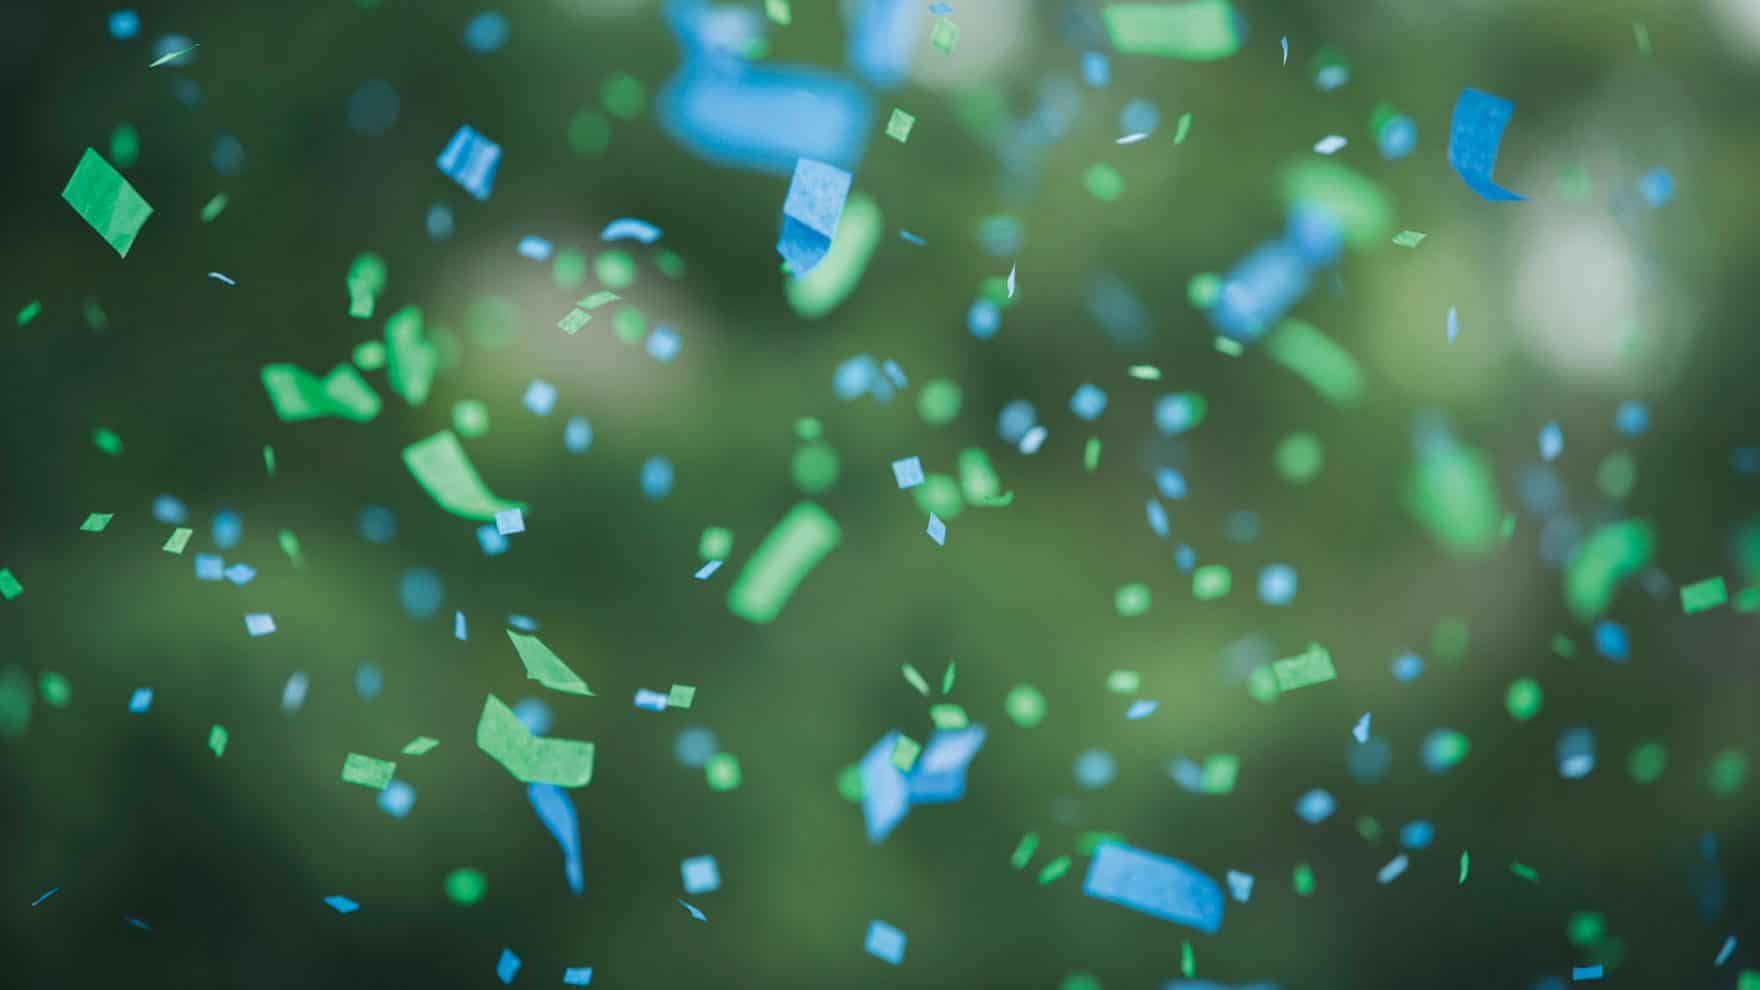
(105, 200)
(1314, 666)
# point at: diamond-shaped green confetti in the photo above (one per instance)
(948, 716)
(681, 696)
(1702, 595)
(178, 540)
(107, 442)
(9, 586)
(1409, 238)
(1054, 869)
(722, 770)
(56, 689)
(1647, 762)
(1369, 829)
(573, 322)
(904, 753)
(419, 745)
(96, 522)
(944, 36)
(217, 737)
(898, 126)
(213, 207)
(777, 10)
(1302, 879)
(849, 783)
(1210, 582)
(367, 771)
(105, 200)
(1024, 705)
(1220, 771)
(466, 885)
(1523, 699)
(35, 306)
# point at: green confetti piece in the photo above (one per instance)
(778, 12)
(1610, 554)
(947, 678)
(1211, 582)
(369, 355)
(1199, 30)
(1054, 869)
(125, 145)
(948, 717)
(419, 745)
(217, 737)
(815, 467)
(589, 133)
(105, 200)
(1728, 770)
(1091, 455)
(808, 428)
(1181, 129)
(1617, 474)
(978, 480)
(1703, 595)
(898, 126)
(849, 783)
(16, 699)
(859, 229)
(939, 399)
(782, 561)
(94, 315)
(1748, 979)
(1564, 647)
(1228, 346)
(939, 494)
(1369, 829)
(1508, 528)
(1316, 359)
(1523, 698)
(107, 441)
(722, 771)
(1219, 774)
(1262, 685)
(532, 759)
(269, 460)
(1409, 238)
(1585, 928)
(470, 418)
(178, 539)
(298, 395)
(466, 886)
(1103, 182)
(56, 689)
(569, 269)
(9, 586)
(1131, 600)
(1641, 35)
(1144, 372)
(367, 771)
(915, 679)
(1023, 851)
(1123, 681)
(615, 268)
(172, 56)
(629, 325)
(715, 543)
(1647, 762)
(1188, 966)
(1748, 600)
(545, 667)
(214, 207)
(1524, 871)
(290, 547)
(905, 752)
(669, 263)
(1304, 669)
(446, 473)
(29, 312)
(573, 322)
(1452, 492)
(1302, 879)
(412, 358)
(623, 96)
(96, 522)
(1025, 705)
(681, 696)
(1299, 458)
(944, 36)
(1466, 861)
(1203, 290)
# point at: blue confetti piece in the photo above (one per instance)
(701, 875)
(894, 373)
(763, 118)
(1088, 402)
(533, 247)
(654, 701)
(1095, 768)
(854, 377)
(1185, 558)
(1475, 131)
(227, 154)
(1157, 517)
(421, 592)
(140, 701)
(51, 892)
(136, 922)
(656, 478)
(222, 278)
(939, 775)
(369, 680)
(534, 714)
(577, 435)
(1170, 483)
(630, 229)
(1139, 116)
(397, 799)
(1581, 973)
(459, 630)
(439, 221)
(293, 693)
(1016, 418)
(506, 966)
(883, 36)
(1454, 325)
(124, 24)
(1397, 138)
(228, 529)
(1390, 872)
(1177, 412)
(908, 472)
(556, 810)
(983, 319)
(1632, 418)
(240, 574)
(1315, 806)
(1407, 667)
(377, 524)
(486, 32)
(1657, 187)
(937, 530)
(523, 623)
(1723, 954)
(1575, 753)
(1417, 835)
(909, 237)
(700, 916)
(1551, 442)
(1369, 761)
(706, 570)
(1240, 885)
(259, 623)
(1360, 731)
(169, 510)
(663, 345)
(1154, 885)
(941, 9)
(540, 397)
(1277, 584)
(885, 942)
(343, 905)
(693, 747)
(510, 521)
(577, 976)
(815, 201)
(1611, 641)
(1141, 708)
(885, 790)
(491, 541)
(470, 159)
(1259, 290)
(1096, 71)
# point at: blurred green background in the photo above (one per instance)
(1568, 305)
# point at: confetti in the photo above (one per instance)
(533, 760)
(815, 200)
(106, 201)
(1475, 131)
(1198, 30)
(781, 562)
(1155, 885)
(445, 471)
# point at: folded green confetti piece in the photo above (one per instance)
(545, 667)
(445, 471)
(534, 760)
(105, 200)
